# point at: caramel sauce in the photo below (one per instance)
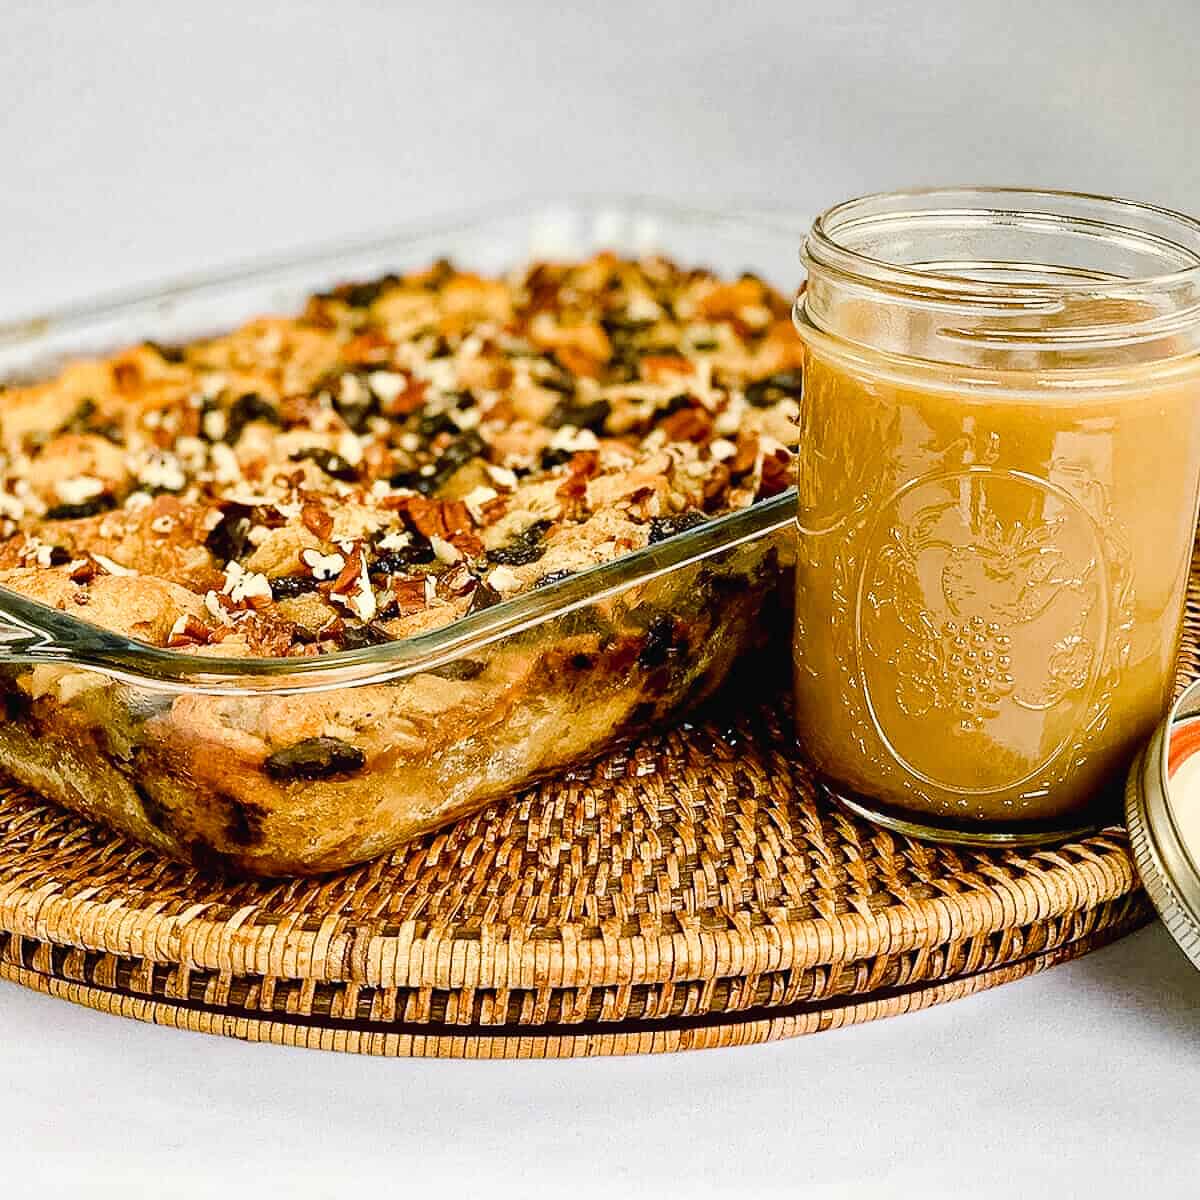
(990, 583)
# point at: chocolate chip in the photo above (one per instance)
(662, 528)
(315, 758)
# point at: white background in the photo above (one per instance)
(142, 140)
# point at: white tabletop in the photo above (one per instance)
(146, 139)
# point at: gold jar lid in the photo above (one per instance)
(1162, 810)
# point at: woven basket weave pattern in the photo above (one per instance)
(689, 890)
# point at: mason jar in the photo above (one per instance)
(998, 476)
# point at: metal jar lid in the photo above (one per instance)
(1162, 810)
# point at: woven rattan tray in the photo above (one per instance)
(690, 890)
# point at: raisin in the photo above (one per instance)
(582, 416)
(523, 548)
(247, 408)
(59, 556)
(418, 552)
(554, 458)
(561, 383)
(87, 508)
(154, 810)
(334, 465)
(552, 577)
(14, 703)
(660, 642)
(244, 822)
(168, 353)
(460, 670)
(358, 413)
(439, 274)
(762, 393)
(456, 455)
(676, 404)
(363, 294)
(287, 587)
(662, 528)
(227, 539)
(315, 758)
(621, 323)
(469, 446)
(431, 424)
(358, 637)
(414, 481)
(81, 416)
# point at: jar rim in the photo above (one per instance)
(1144, 226)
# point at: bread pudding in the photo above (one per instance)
(403, 453)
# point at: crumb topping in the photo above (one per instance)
(405, 451)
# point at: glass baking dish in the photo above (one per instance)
(298, 766)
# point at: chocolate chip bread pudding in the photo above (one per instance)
(404, 453)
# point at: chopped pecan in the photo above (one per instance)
(458, 581)
(715, 486)
(579, 362)
(407, 401)
(367, 349)
(662, 368)
(726, 300)
(84, 571)
(776, 473)
(409, 594)
(688, 425)
(746, 456)
(316, 520)
(348, 576)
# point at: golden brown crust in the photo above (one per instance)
(404, 452)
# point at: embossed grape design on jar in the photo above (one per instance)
(998, 477)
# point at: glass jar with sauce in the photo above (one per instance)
(998, 477)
